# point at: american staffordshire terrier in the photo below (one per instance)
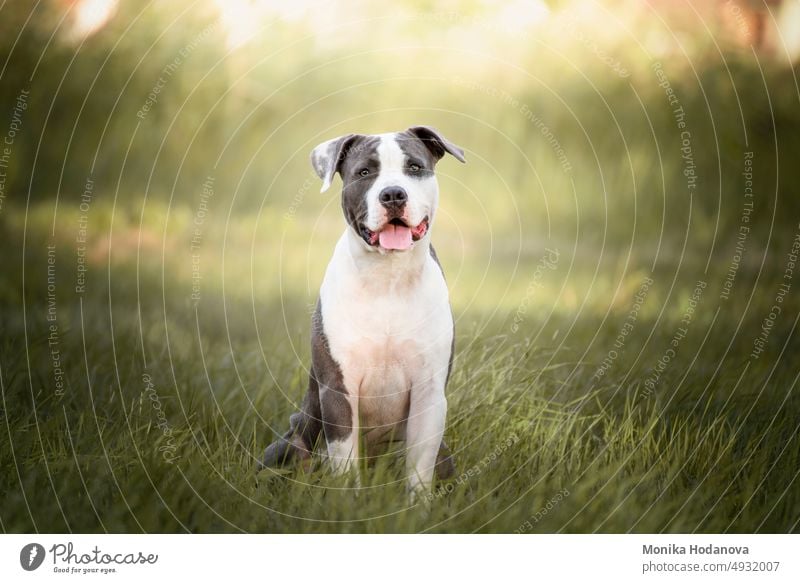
(382, 332)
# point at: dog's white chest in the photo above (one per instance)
(389, 329)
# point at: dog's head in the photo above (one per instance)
(390, 191)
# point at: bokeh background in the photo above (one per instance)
(620, 250)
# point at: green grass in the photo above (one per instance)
(541, 445)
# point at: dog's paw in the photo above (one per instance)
(276, 455)
(283, 453)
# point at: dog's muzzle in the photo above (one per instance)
(395, 235)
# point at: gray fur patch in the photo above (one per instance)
(306, 425)
(453, 341)
(445, 466)
(428, 138)
(361, 154)
(337, 415)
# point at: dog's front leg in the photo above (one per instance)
(340, 424)
(424, 431)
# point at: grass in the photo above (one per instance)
(167, 402)
(542, 444)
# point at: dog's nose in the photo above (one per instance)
(393, 197)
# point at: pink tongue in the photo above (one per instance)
(395, 237)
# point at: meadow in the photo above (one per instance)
(625, 294)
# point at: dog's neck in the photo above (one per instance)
(391, 267)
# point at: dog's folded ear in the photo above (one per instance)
(327, 158)
(437, 143)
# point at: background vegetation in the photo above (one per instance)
(176, 137)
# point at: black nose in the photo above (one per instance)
(393, 197)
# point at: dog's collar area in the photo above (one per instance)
(373, 238)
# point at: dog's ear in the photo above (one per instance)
(437, 143)
(328, 156)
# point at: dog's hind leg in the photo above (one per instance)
(445, 466)
(297, 444)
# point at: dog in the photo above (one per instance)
(382, 334)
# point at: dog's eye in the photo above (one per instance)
(364, 172)
(414, 167)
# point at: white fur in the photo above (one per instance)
(388, 323)
(322, 161)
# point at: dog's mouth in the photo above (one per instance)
(395, 235)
